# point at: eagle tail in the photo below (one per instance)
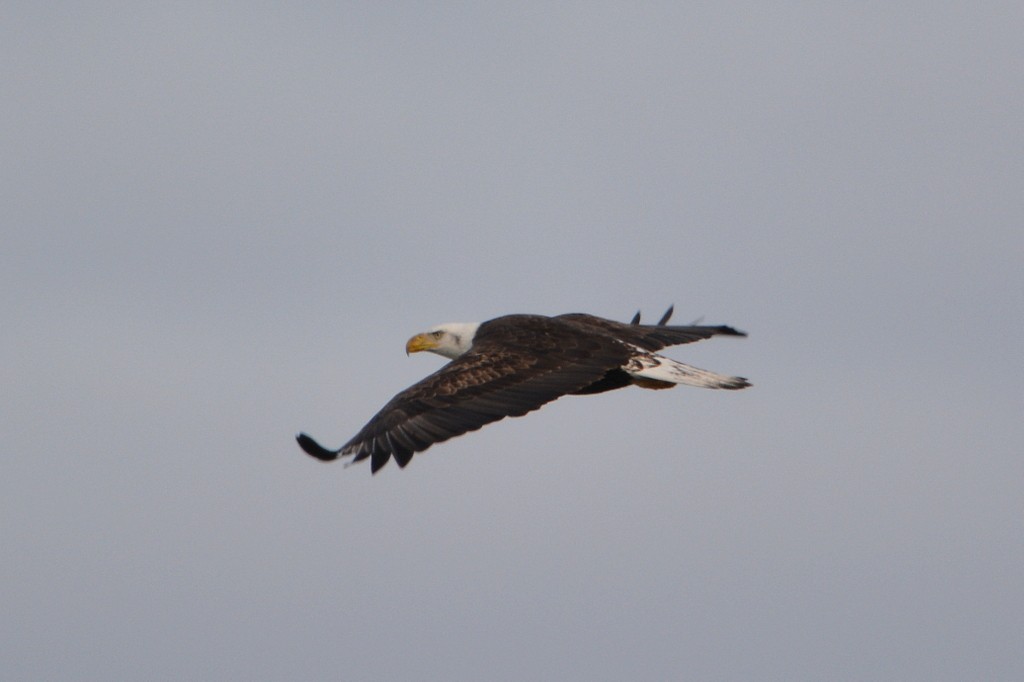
(654, 371)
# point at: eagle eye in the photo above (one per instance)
(438, 334)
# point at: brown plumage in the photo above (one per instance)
(514, 364)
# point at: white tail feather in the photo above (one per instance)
(655, 367)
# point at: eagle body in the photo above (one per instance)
(511, 365)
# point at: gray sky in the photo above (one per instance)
(222, 224)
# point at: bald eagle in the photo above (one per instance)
(514, 364)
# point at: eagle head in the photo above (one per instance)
(449, 340)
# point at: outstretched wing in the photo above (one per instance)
(652, 337)
(516, 365)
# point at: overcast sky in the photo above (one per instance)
(221, 224)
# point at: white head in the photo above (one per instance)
(450, 340)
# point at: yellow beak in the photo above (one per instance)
(420, 342)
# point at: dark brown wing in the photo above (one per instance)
(647, 336)
(517, 364)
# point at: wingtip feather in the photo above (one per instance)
(314, 449)
(731, 331)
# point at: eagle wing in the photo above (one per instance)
(652, 337)
(516, 364)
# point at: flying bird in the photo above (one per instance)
(514, 364)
